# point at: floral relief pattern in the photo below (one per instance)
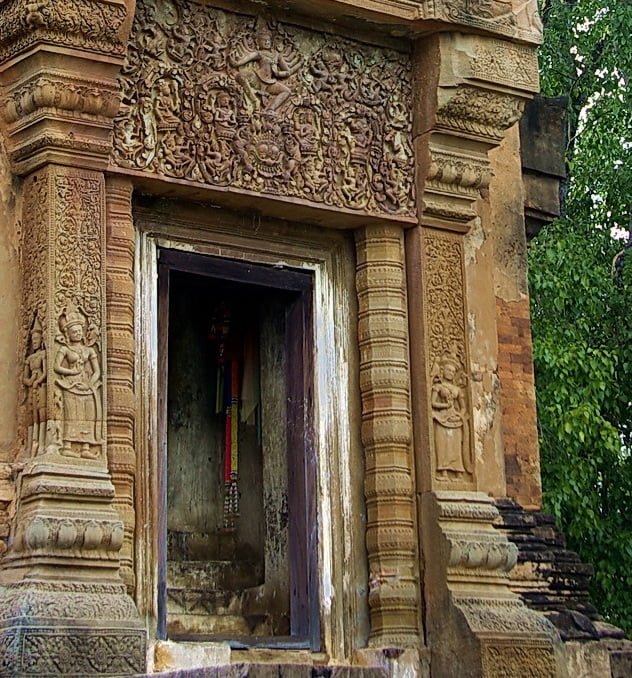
(77, 427)
(226, 100)
(449, 398)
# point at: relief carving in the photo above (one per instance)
(59, 90)
(450, 419)
(88, 24)
(514, 18)
(79, 383)
(537, 661)
(34, 378)
(445, 318)
(500, 62)
(63, 285)
(217, 98)
(482, 114)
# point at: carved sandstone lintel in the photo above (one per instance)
(467, 579)
(386, 435)
(92, 25)
(233, 102)
(515, 19)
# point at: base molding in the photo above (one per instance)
(477, 627)
(49, 629)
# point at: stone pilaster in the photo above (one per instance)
(387, 437)
(479, 86)
(64, 608)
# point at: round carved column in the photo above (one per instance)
(387, 437)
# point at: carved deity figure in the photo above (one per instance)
(450, 420)
(34, 378)
(270, 68)
(79, 381)
(166, 103)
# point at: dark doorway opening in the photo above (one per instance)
(237, 513)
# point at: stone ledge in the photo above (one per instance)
(273, 671)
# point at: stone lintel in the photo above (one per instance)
(514, 19)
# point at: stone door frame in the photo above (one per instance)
(339, 503)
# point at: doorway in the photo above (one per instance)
(237, 517)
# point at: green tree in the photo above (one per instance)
(581, 308)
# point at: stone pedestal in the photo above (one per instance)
(477, 626)
(63, 607)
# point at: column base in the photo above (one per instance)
(477, 627)
(71, 629)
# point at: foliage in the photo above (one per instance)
(582, 313)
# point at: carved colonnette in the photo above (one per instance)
(387, 435)
(120, 247)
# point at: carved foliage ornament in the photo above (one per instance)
(89, 24)
(482, 114)
(535, 660)
(63, 271)
(46, 652)
(222, 99)
(514, 18)
(78, 308)
(449, 396)
(512, 65)
(58, 90)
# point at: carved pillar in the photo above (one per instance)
(120, 361)
(480, 85)
(387, 437)
(63, 606)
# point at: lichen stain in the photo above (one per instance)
(486, 406)
(474, 241)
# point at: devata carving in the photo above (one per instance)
(79, 380)
(450, 419)
(216, 98)
(445, 317)
(34, 378)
